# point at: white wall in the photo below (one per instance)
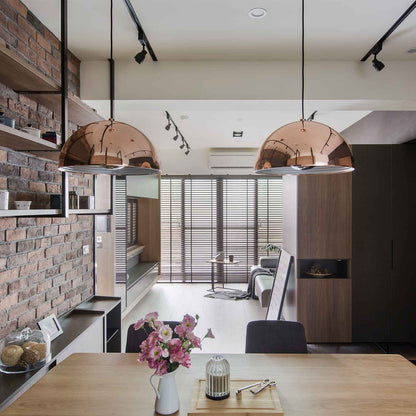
(264, 80)
(195, 163)
(143, 186)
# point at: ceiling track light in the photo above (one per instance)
(177, 133)
(139, 58)
(144, 41)
(167, 127)
(312, 116)
(378, 65)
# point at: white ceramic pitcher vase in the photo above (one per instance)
(167, 399)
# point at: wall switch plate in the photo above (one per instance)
(85, 249)
(99, 239)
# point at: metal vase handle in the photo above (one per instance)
(154, 386)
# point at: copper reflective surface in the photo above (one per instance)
(112, 148)
(304, 148)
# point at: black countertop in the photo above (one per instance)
(73, 325)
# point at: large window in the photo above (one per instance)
(201, 216)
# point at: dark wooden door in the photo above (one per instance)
(371, 242)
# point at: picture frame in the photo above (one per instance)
(50, 325)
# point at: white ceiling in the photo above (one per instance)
(221, 29)
(205, 127)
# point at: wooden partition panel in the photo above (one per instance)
(324, 216)
(318, 228)
(324, 308)
(148, 228)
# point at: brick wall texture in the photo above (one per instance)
(42, 267)
(23, 33)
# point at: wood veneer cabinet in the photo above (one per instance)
(317, 228)
(148, 228)
(383, 266)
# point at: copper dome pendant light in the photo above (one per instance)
(109, 147)
(304, 147)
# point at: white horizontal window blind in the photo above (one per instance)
(201, 216)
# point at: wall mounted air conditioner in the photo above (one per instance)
(232, 159)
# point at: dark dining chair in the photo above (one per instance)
(135, 338)
(275, 337)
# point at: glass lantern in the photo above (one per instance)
(23, 351)
(218, 378)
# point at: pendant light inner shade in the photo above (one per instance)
(109, 147)
(304, 147)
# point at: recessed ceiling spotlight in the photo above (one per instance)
(257, 13)
(412, 50)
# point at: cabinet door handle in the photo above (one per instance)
(392, 254)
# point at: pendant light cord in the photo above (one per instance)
(111, 29)
(303, 62)
(111, 60)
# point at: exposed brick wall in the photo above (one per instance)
(42, 268)
(27, 111)
(29, 178)
(22, 32)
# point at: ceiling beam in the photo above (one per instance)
(262, 80)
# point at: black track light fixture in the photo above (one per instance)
(378, 65)
(144, 41)
(139, 58)
(312, 116)
(177, 133)
(167, 127)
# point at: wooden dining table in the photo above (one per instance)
(307, 384)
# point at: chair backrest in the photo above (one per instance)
(275, 337)
(135, 338)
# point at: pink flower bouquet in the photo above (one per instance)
(164, 353)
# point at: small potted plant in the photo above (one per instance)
(273, 248)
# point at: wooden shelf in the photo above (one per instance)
(20, 75)
(19, 140)
(139, 271)
(79, 113)
(89, 211)
(29, 212)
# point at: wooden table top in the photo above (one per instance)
(308, 384)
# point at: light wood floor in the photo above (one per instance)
(227, 318)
